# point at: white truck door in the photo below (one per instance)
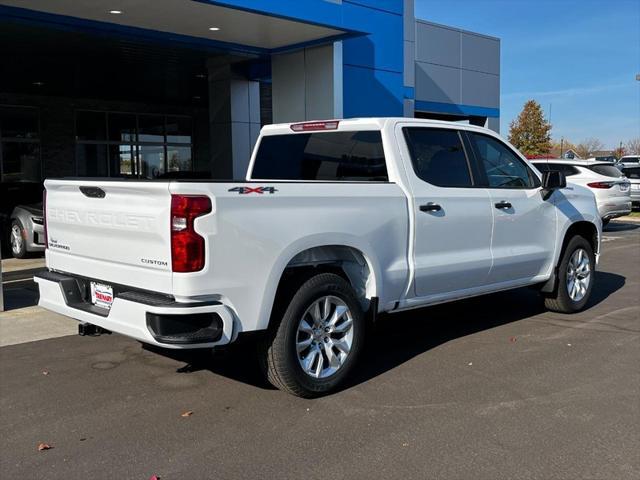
(524, 230)
(452, 216)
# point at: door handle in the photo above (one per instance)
(430, 207)
(503, 205)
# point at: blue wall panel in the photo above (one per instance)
(372, 93)
(382, 49)
(373, 64)
(393, 6)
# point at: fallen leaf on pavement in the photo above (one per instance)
(513, 339)
(44, 446)
(45, 372)
(154, 477)
(187, 413)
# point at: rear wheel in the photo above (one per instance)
(17, 240)
(575, 277)
(318, 339)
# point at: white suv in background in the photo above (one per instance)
(609, 185)
(630, 161)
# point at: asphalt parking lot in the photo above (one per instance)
(489, 388)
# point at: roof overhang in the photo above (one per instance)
(230, 25)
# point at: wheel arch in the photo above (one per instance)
(584, 228)
(352, 262)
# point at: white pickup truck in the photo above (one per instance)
(336, 222)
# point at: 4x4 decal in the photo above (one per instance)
(258, 190)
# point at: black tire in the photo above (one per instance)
(19, 251)
(280, 360)
(560, 301)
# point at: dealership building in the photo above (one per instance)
(152, 88)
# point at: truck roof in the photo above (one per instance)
(370, 123)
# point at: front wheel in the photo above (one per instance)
(318, 339)
(576, 273)
(18, 240)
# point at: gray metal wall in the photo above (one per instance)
(307, 84)
(455, 66)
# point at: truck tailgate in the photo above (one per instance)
(114, 231)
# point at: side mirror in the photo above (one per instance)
(553, 180)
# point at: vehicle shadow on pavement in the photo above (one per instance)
(397, 338)
(620, 226)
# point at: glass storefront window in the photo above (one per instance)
(132, 145)
(179, 130)
(151, 159)
(91, 160)
(19, 144)
(179, 158)
(20, 162)
(123, 160)
(91, 126)
(122, 127)
(19, 123)
(151, 128)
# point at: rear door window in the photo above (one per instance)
(438, 156)
(328, 156)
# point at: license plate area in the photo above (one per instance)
(101, 295)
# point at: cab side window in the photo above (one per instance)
(502, 167)
(438, 156)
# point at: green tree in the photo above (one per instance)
(531, 132)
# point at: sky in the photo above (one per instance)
(578, 58)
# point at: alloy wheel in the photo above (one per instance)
(578, 274)
(324, 337)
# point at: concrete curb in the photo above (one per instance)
(627, 219)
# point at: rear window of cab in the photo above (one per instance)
(324, 156)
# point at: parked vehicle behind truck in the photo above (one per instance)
(336, 222)
(608, 183)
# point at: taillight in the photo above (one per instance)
(187, 247)
(601, 184)
(44, 218)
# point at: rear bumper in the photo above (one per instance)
(613, 208)
(146, 317)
